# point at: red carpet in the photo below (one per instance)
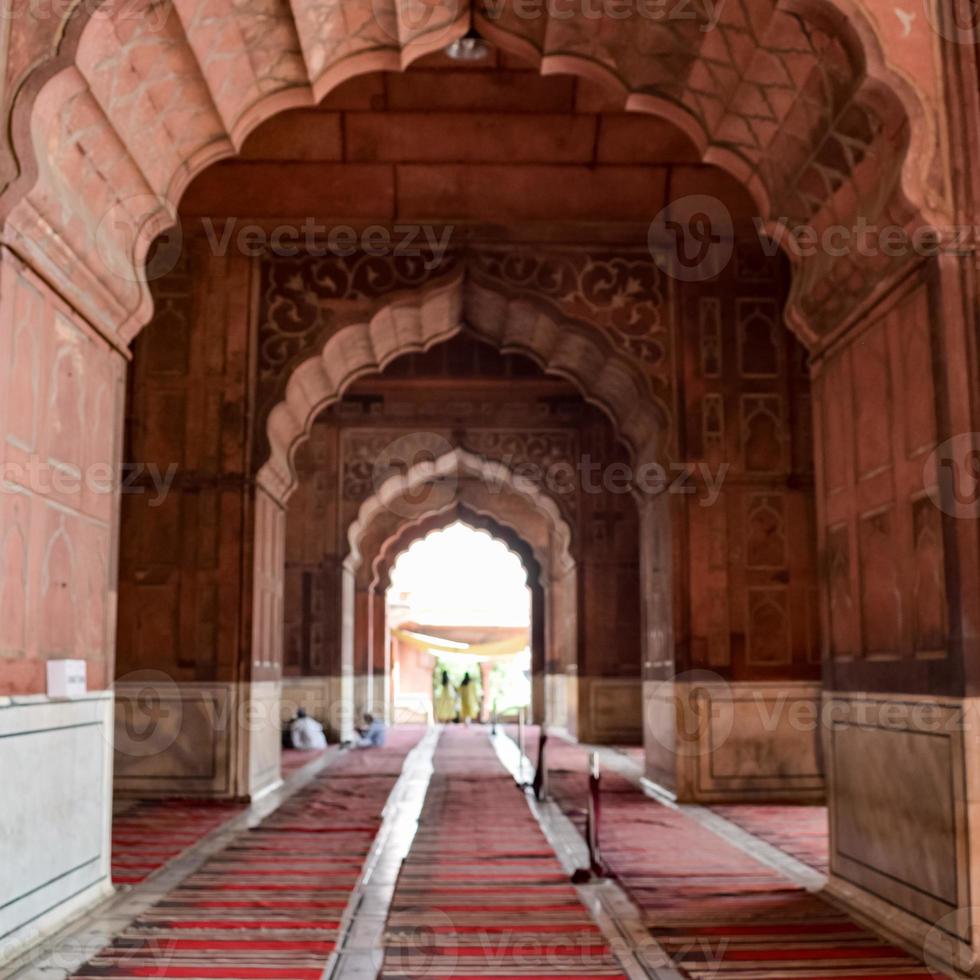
(481, 893)
(800, 831)
(268, 906)
(293, 759)
(150, 833)
(717, 911)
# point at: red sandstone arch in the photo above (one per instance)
(393, 517)
(416, 530)
(793, 97)
(418, 321)
(385, 514)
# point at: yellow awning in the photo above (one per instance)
(499, 648)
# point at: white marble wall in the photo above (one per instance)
(196, 739)
(611, 710)
(264, 736)
(748, 741)
(561, 701)
(55, 813)
(904, 793)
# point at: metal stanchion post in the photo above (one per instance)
(540, 783)
(520, 745)
(597, 867)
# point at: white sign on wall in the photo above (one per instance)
(66, 678)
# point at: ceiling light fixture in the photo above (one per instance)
(470, 47)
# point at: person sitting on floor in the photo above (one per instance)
(373, 735)
(305, 733)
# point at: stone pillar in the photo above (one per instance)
(896, 446)
(656, 585)
(200, 611)
(486, 702)
(363, 653)
(561, 677)
(343, 714)
(380, 701)
(539, 652)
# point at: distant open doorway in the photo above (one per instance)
(459, 606)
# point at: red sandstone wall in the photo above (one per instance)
(881, 533)
(185, 561)
(746, 596)
(61, 394)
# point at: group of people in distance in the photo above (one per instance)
(306, 733)
(450, 702)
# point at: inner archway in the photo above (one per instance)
(459, 601)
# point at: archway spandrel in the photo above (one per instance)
(307, 299)
(290, 397)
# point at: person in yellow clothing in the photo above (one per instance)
(469, 703)
(445, 701)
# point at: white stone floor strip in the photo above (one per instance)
(360, 944)
(614, 912)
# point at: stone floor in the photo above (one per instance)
(426, 859)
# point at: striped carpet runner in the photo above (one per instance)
(269, 905)
(717, 911)
(149, 833)
(481, 893)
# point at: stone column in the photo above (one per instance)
(200, 612)
(486, 702)
(363, 653)
(380, 657)
(539, 652)
(896, 442)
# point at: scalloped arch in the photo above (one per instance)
(478, 519)
(793, 97)
(416, 322)
(444, 473)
